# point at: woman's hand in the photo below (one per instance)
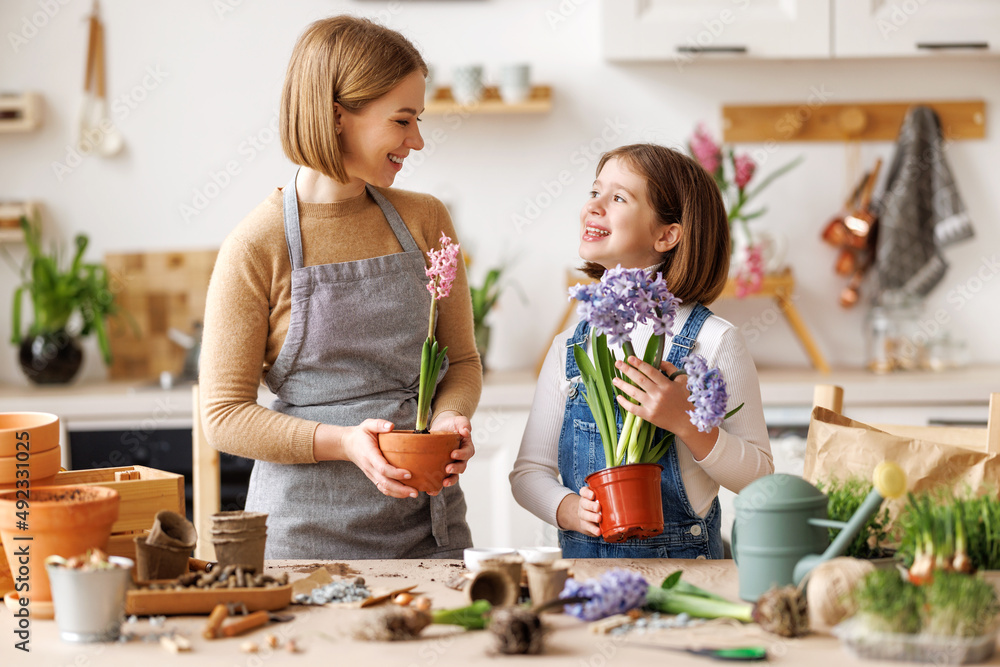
(360, 446)
(659, 400)
(454, 422)
(581, 513)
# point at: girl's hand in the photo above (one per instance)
(581, 513)
(659, 400)
(360, 446)
(450, 420)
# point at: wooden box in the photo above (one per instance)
(143, 491)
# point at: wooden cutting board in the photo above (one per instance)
(159, 290)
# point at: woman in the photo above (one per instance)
(323, 287)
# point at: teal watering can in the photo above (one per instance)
(783, 527)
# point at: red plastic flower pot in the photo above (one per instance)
(631, 505)
(425, 455)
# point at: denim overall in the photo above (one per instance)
(685, 533)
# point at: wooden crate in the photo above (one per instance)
(143, 492)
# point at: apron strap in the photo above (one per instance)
(293, 231)
(439, 519)
(398, 226)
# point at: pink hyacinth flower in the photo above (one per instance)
(744, 167)
(443, 268)
(750, 277)
(705, 150)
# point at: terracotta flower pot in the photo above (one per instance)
(28, 439)
(63, 520)
(631, 505)
(425, 455)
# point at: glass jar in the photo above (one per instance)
(896, 339)
(881, 341)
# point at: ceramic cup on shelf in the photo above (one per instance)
(467, 84)
(515, 83)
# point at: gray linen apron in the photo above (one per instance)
(352, 352)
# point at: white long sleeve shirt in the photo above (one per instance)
(741, 454)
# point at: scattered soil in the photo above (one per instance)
(76, 495)
(335, 569)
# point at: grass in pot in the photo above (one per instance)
(628, 488)
(845, 499)
(424, 454)
(68, 303)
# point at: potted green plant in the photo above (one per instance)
(49, 349)
(484, 298)
(424, 454)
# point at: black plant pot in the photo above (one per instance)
(50, 358)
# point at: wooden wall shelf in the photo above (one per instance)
(539, 101)
(861, 121)
(10, 219)
(21, 112)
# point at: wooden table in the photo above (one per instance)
(324, 632)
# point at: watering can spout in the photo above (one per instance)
(889, 481)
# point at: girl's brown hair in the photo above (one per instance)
(680, 191)
(342, 59)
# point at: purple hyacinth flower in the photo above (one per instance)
(615, 592)
(708, 393)
(623, 299)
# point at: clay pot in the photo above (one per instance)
(424, 455)
(32, 439)
(62, 520)
(42, 431)
(631, 505)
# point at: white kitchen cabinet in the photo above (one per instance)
(869, 28)
(686, 30)
(495, 518)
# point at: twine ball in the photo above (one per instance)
(829, 589)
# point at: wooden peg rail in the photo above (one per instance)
(876, 121)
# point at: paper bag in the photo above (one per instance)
(933, 457)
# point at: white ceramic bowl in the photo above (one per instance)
(540, 554)
(474, 555)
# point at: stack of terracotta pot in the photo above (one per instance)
(52, 520)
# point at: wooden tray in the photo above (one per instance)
(144, 602)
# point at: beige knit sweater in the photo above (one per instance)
(249, 306)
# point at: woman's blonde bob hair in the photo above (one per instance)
(343, 59)
(680, 191)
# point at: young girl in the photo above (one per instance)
(653, 208)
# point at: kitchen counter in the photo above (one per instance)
(324, 632)
(96, 402)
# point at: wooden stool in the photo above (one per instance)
(780, 287)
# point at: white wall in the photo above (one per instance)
(217, 81)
